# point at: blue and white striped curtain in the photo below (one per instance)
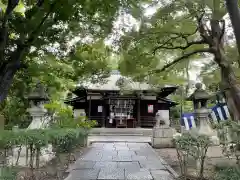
(219, 113)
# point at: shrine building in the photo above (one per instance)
(120, 102)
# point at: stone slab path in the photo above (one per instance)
(138, 139)
(120, 161)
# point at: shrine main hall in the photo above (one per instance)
(120, 102)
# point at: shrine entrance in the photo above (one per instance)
(121, 113)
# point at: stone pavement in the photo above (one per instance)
(120, 161)
(138, 139)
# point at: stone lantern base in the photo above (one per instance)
(204, 125)
(163, 137)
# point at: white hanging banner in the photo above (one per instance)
(150, 108)
(110, 121)
(100, 108)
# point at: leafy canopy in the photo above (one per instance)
(166, 41)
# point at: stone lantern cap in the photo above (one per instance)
(199, 94)
(38, 93)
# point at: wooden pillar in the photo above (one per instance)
(103, 114)
(138, 112)
(89, 107)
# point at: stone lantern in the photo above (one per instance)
(38, 97)
(37, 111)
(199, 99)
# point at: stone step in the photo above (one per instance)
(115, 134)
(121, 131)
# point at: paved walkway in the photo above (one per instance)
(137, 139)
(121, 161)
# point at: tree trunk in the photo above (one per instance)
(229, 80)
(188, 79)
(234, 14)
(7, 72)
(232, 92)
(230, 85)
(229, 98)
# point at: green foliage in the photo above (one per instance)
(191, 142)
(211, 73)
(57, 42)
(166, 41)
(229, 136)
(8, 173)
(64, 139)
(192, 145)
(60, 110)
(75, 123)
(227, 173)
(64, 117)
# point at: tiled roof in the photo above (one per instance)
(112, 81)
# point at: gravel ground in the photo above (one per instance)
(214, 157)
(53, 170)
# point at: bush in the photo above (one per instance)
(64, 117)
(8, 173)
(229, 135)
(192, 145)
(74, 123)
(227, 173)
(63, 140)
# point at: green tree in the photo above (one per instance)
(183, 29)
(61, 76)
(31, 29)
(233, 11)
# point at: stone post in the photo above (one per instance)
(162, 134)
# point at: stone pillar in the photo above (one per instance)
(163, 137)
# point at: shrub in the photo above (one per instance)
(8, 173)
(229, 135)
(227, 173)
(192, 145)
(63, 140)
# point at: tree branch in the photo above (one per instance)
(187, 55)
(4, 28)
(223, 28)
(36, 31)
(202, 30)
(22, 47)
(189, 44)
(165, 43)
